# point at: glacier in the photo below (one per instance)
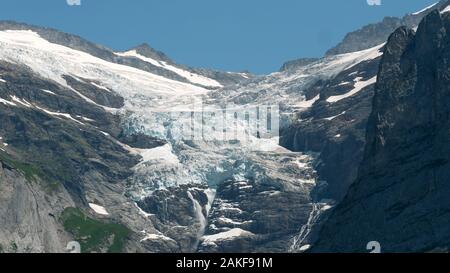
(165, 109)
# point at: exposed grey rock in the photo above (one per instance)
(225, 78)
(375, 34)
(270, 213)
(52, 162)
(179, 214)
(29, 216)
(145, 50)
(65, 143)
(141, 141)
(268, 205)
(334, 130)
(102, 96)
(294, 64)
(400, 196)
(81, 44)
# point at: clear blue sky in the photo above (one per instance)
(232, 35)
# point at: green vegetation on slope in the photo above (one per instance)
(94, 235)
(30, 172)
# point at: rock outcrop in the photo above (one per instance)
(400, 197)
(374, 34)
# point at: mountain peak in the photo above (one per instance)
(146, 50)
(375, 34)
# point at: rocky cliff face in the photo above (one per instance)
(370, 35)
(89, 142)
(28, 214)
(400, 196)
(295, 64)
(324, 108)
(335, 129)
(99, 135)
(57, 152)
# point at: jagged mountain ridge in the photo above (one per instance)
(372, 35)
(49, 80)
(171, 195)
(98, 104)
(218, 78)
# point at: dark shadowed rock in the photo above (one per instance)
(335, 130)
(297, 63)
(99, 94)
(400, 197)
(270, 215)
(141, 141)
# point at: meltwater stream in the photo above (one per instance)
(190, 160)
(203, 155)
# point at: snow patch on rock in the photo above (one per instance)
(192, 77)
(98, 209)
(359, 85)
(425, 9)
(227, 235)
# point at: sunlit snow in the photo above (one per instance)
(359, 85)
(425, 9)
(192, 77)
(227, 235)
(98, 209)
